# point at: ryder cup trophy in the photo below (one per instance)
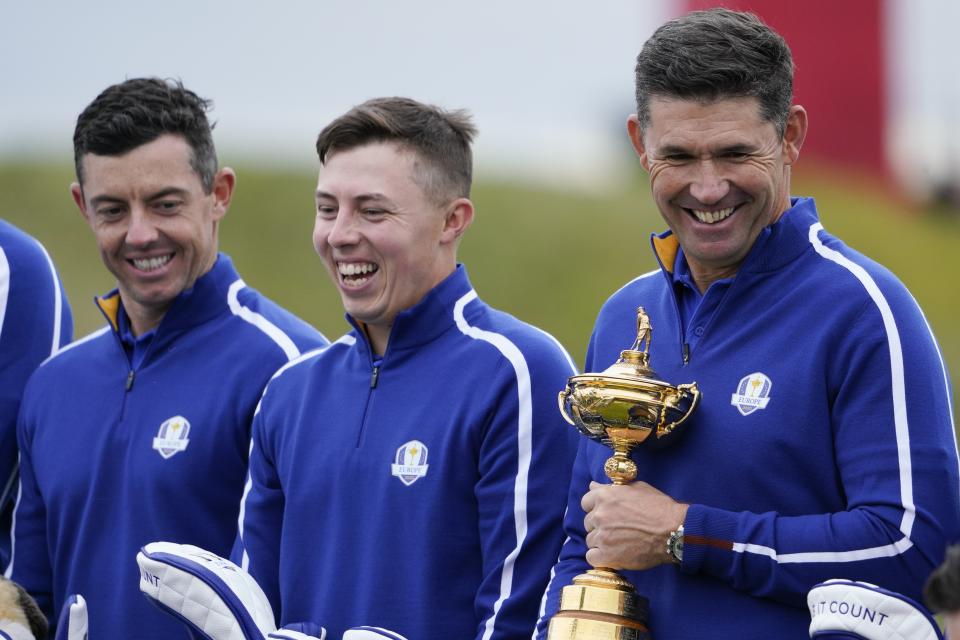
(623, 407)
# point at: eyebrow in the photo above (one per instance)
(671, 150)
(363, 197)
(162, 193)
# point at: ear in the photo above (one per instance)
(458, 217)
(636, 139)
(77, 192)
(794, 134)
(223, 185)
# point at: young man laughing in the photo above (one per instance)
(410, 475)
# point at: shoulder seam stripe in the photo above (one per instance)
(948, 392)
(13, 525)
(271, 330)
(560, 347)
(637, 279)
(346, 339)
(524, 445)
(542, 611)
(57, 302)
(8, 572)
(901, 428)
(4, 286)
(76, 343)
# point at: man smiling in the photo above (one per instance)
(140, 431)
(823, 445)
(407, 476)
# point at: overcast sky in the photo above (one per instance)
(549, 81)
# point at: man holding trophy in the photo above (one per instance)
(806, 430)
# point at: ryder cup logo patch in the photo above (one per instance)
(753, 393)
(172, 437)
(410, 462)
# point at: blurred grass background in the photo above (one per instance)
(549, 256)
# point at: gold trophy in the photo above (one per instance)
(622, 408)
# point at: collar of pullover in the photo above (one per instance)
(207, 298)
(775, 247)
(426, 320)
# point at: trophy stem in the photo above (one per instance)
(619, 467)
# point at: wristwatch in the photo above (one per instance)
(675, 545)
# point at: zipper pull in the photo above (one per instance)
(130, 377)
(686, 353)
(374, 376)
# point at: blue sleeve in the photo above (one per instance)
(35, 321)
(257, 549)
(525, 462)
(895, 450)
(571, 562)
(30, 561)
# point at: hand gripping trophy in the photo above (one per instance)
(622, 407)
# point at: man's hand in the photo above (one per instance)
(628, 525)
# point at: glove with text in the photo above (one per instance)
(847, 609)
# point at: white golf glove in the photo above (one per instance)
(218, 600)
(844, 609)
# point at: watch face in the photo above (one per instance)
(675, 545)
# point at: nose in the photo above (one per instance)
(342, 229)
(141, 230)
(708, 185)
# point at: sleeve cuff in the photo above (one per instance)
(708, 536)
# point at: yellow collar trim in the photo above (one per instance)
(666, 249)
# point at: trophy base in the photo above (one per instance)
(567, 627)
(600, 605)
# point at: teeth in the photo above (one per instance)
(356, 282)
(151, 264)
(711, 217)
(356, 268)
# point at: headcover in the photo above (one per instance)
(844, 609)
(371, 633)
(210, 594)
(20, 617)
(220, 601)
(14, 631)
(300, 631)
(72, 624)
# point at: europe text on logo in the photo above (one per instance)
(753, 393)
(410, 462)
(172, 437)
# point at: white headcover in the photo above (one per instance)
(219, 600)
(371, 633)
(14, 631)
(848, 609)
(13, 619)
(211, 594)
(287, 634)
(73, 619)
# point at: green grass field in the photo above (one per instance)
(549, 257)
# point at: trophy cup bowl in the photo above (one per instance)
(622, 407)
